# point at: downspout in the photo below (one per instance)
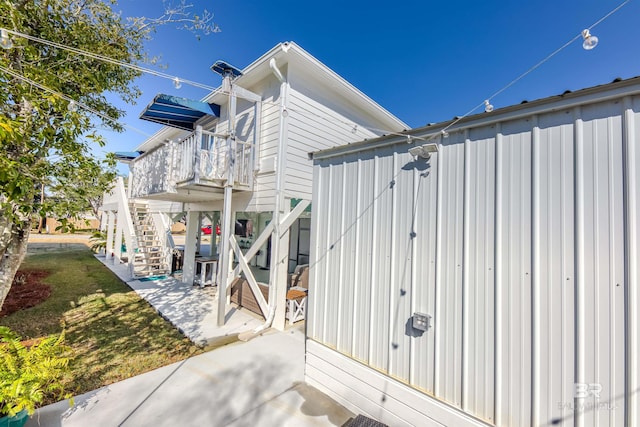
(275, 244)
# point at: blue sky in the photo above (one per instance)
(424, 61)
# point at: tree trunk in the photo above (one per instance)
(13, 248)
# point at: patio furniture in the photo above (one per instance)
(296, 305)
(297, 294)
(208, 268)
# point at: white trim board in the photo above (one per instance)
(364, 390)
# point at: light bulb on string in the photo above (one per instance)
(177, 83)
(590, 41)
(72, 107)
(5, 40)
(487, 106)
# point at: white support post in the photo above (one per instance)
(117, 245)
(189, 266)
(111, 224)
(227, 214)
(199, 235)
(104, 218)
(280, 205)
(280, 264)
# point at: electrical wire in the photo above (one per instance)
(110, 60)
(67, 98)
(521, 76)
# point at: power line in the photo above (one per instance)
(109, 60)
(71, 100)
(521, 76)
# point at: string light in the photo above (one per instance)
(177, 83)
(589, 41)
(487, 106)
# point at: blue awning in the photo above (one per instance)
(178, 112)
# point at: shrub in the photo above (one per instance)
(28, 374)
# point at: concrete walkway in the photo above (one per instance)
(254, 383)
(257, 383)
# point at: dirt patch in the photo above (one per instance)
(26, 291)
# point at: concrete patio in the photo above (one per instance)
(191, 309)
(259, 382)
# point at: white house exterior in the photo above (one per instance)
(247, 160)
(519, 238)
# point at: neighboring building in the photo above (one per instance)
(494, 283)
(239, 159)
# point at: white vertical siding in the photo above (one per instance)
(632, 222)
(554, 277)
(514, 273)
(519, 237)
(479, 276)
(423, 347)
(448, 314)
(602, 281)
(362, 229)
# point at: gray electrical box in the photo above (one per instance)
(421, 321)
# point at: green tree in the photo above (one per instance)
(44, 140)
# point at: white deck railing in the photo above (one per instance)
(201, 158)
(152, 172)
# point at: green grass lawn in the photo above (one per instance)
(113, 333)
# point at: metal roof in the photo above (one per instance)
(181, 113)
(568, 99)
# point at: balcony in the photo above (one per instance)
(194, 169)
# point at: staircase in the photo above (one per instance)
(150, 257)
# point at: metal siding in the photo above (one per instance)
(525, 252)
(363, 262)
(318, 267)
(602, 326)
(448, 317)
(515, 272)
(380, 343)
(554, 262)
(424, 260)
(632, 188)
(333, 251)
(348, 257)
(401, 289)
(478, 278)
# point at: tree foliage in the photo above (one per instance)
(42, 140)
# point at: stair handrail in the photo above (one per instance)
(130, 238)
